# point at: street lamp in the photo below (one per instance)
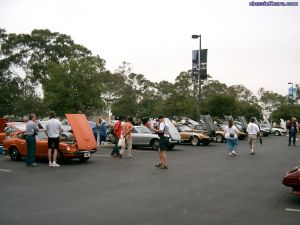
(292, 91)
(196, 36)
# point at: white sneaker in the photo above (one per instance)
(234, 153)
(50, 164)
(55, 164)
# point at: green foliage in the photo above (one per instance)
(47, 70)
(286, 112)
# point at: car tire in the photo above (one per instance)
(219, 138)
(195, 141)
(154, 144)
(83, 159)
(14, 154)
(277, 133)
(261, 133)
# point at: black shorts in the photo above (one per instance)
(53, 143)
(163, 143)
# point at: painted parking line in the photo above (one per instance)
(292, 210)
(4, 170)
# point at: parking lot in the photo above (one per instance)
(203, 185)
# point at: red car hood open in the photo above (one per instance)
(82, 131)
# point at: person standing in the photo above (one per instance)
(252, 131)
(163, 133)
(117, 133)
(102, 130)
(292, 126)
(127, 128)
(231, 136)
(53, 130)
(30, 133)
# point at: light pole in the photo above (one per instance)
(196, 36)
(292, 91)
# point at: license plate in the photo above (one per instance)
(87, 154)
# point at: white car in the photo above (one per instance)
(277, 131)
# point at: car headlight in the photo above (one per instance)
(68, 148)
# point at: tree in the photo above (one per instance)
(74, 86)
(219, 105)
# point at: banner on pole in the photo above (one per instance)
(196, 66)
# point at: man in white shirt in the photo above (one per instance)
(252, 131)
(53, 130)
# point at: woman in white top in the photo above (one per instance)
(231, 136)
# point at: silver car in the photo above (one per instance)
(141, 137)
(144, 137)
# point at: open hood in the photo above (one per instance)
(3, 122)
(172, 130)
(243, 122)
(227, 118)
(82, 131)
(208, 122)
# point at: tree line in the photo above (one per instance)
(46, 70)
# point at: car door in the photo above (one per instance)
(136, 138)
(41, 150)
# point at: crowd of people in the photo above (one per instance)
(253, 132)
(123, 139)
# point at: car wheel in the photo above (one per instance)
(276, 133)
(261, 133)
(219, 138)
(15, 154)
(83, 159)
(195, 141)
(154, 144)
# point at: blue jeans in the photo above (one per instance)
(231, 144)
(31, 146)
(292, 135)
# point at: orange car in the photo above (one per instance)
(10, 129)
(82, 147)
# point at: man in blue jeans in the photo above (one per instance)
(30, 133)
(292, 126)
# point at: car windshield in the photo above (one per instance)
(185, 128)
(19, 126)
(144, 130)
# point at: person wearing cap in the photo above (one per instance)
(163, 133)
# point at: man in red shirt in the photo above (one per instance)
(117, 133)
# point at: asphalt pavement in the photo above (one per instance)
(203, 185)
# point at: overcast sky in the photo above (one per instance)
(253, 46)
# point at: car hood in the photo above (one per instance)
(82, 131)
(172, 130)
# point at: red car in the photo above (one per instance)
(292, 179)
(82, 147)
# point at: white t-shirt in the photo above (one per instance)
(53, 127)
(252, 129)
(230, 130)
(164, 127)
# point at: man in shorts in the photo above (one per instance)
(252, 131)
(163, 133)
(53, 130)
